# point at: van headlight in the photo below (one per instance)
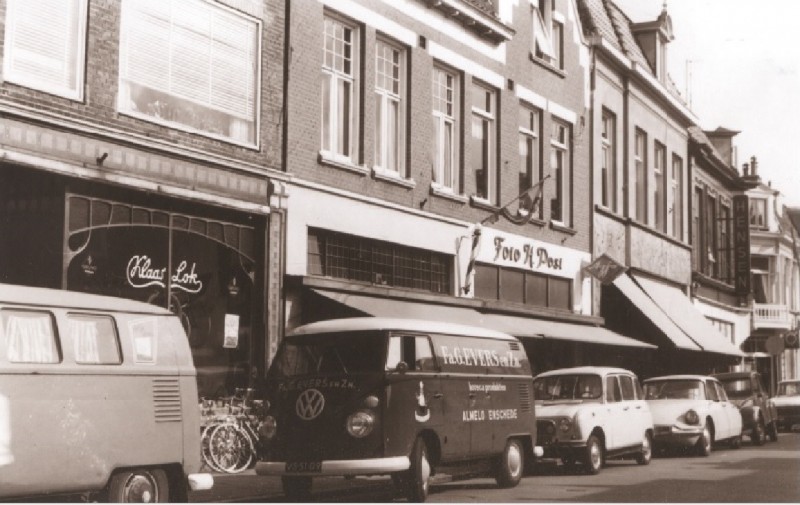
(691, 417)
(360, 424)
(268, 427)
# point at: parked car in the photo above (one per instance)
(692, 411)
(759, 415)
(588, 414)
(787, 402)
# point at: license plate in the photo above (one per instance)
(303, 466)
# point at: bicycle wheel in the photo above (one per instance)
(229, 449)
(205, 446)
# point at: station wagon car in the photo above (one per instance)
(692, 411)
(787, 401)
(587, 414)
(759, 415)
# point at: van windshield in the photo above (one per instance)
(330, 354)
(568, 387)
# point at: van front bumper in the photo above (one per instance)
(371, 466)
(200, 481)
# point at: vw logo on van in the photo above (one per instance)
(309, 404)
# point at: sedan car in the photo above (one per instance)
(587, 414)
(787, 401)
(692, 411)
(759, 415)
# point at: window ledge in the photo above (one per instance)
(330, 159)
(605, 211)
(445, 192)
(393, 177)
(482, 203)
(547, 65)
(558, 226)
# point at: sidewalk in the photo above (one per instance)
(247, 486)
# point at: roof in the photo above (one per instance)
(11, 294)
(679, 377)
(386, 323)
(599, 370)
(794, 216)
(733, 375)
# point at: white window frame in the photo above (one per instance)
(542, 16)
(444, 121)
(175, 86)
(640, 175)
(659, 192)
(561, 161)
(16, 24)
(486, 119)
(677, 197)
(557, 42)
(386, 145)
(608, 168)
(756, 204)
(529, 133)
(338, 77)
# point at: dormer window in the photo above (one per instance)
(758, 213)
(544, 46)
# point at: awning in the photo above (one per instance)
(513, 325)
(683, 313)
(654, 313)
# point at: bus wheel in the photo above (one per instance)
(416, 482)
(510, 465)
(296, 489)
(139, 485)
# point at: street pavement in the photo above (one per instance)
(770, 473)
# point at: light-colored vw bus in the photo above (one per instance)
(98, 397)
(366, 396)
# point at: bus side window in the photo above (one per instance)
(423, 355)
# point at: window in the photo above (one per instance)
(724, 327)
(529, 288)
(613, 393)
(542, 15)
(698, 237)
(758, 212)
(191, 65)
(725, 245)
(557, 36)
(640, 175)
(560, 164)
(376, 262)
(30, 336)
(659, 190)
(340, 108)
(608, 176)
(95, 339)
(389, 107)
(530, 148)
(45, 44)
(677, 197)
(445, 128)
(628, 391)
(413, 351)
(484, 142)
(710, 230)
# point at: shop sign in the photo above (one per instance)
(140, 274)
(605, 269)
(521, 252)
(741, 244)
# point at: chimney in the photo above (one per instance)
(754, 165)
(751, 172)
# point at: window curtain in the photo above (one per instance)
(30, 339)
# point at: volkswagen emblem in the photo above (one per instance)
(309, 404)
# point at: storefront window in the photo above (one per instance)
(201, 269)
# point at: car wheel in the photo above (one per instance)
(736, 442)
(773, 431)
(705, 441)
(140, 485)
(416, 482)
(593, 459)
(757, 435)
(296, 489)
(646, 454)
(510, 465)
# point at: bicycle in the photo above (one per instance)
(229, 441)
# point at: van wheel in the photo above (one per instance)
(296, 489)
(510, 465)
(593, 459)
(140, 485)
(416, 482)
(646, 454)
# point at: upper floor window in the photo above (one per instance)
(445, 128)
(677, 197)
(191, 64)
(340, 97)
(544, 48)
(44, 45)
(484, 142)
(530, 148)
(659, 189)
(725, 244)
(640, 175)
(557, 37)
(389, 107)
(561, 167)
(710, 229)
(758, 212)
(608, 175)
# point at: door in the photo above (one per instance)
(719, 414)
(732, 412)
(631, 423)
(614, 425)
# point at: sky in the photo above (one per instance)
(743, 62)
